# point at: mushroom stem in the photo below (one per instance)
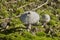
(43, 25)
(29, 27)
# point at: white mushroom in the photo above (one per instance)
(45, 19)
(30, 17)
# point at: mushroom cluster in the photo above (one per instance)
(31, 17)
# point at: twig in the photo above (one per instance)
(40, 5)
(26, 5)
(11, 2)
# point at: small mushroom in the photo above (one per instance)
(45, 19)
(4, 24)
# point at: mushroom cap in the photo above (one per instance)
(46, 18)
(4, 24)
(30, 17)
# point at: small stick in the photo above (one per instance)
(40, 5)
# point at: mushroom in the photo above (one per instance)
(4, 24)
(45, 19)
(29, 18)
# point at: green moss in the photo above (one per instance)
(40, 34)
(14, 31)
